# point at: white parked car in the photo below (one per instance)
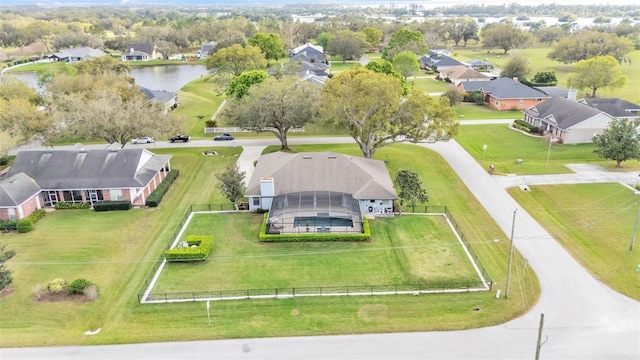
(143, 140)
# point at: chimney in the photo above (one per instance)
(267, 187)
(131, 50)
(515, 78)
(572, 94)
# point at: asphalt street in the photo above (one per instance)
(584, 319)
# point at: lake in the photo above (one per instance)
(161, 77)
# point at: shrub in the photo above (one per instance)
(4, 160)
(111, 205)
(6, 225)
(61, 205)
(56, 285)
(262, 211)
(77, 286)
(154, 199)
(24, 225)
(198, 247)
(523, 125)
(91, 292)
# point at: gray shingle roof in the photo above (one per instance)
(566, 113)
(80, 52)
(613, 106)
(146, 48)
(89, 169)
(161, 96)
(16, 189)
(505, 88)
(327, 171)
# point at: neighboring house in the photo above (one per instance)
(309, 53)
(570, 94)
(82, 176)
(206, 49)
(439, 61)
(458, 74)
(315, 73)
(18, 197)
(617, 108)
(77, 54)
(310, 185)
(568, 121)
(141, 52)
(505, 94)
(167, 98)
(477, 64)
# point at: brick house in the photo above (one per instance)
(505, 94)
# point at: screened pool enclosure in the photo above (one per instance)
(314, 212)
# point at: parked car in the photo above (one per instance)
(142, 140)
(180, 137)
(223, 137)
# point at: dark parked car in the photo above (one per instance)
(179, 137)
(223, 137)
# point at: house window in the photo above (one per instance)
(521, 101)
(12, 213)
(497, 102)
(115, 195)
(72, 196)
(256, 201)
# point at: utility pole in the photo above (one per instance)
(538, 345)
(635, 229)
(513, 225)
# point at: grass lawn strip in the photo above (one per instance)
(323, 263)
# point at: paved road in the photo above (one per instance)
(584, 319)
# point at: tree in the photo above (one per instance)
(596, 73)
(517, 67)
(275, 105)
(236, 59)
(619, 141)
(270, 45)
(239, 86)
(385, 67)
(551, 34)
(410, 186)
(454, 95)
(587, 44)
(373, 109)
(106, 107)
(231, 183)
(461, 29)
(20, 115)
(406, 63)
(545, 78)
(505, 37)
(323, 39)
(373, 36)
(347, 44)
(5, 274)
(404, 40)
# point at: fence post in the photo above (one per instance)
(293, 291)
(276, 289)
(165, 297)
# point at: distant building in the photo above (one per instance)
(167, 98)
(76, 54)
(141, 52)
(206, 49)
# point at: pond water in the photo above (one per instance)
(162, 77)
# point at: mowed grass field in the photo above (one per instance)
(410, 249)
(118, 250)
(505, 145)
(594, 222)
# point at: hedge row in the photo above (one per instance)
(25, 225)
(111, 205)
(364, 236)
(523, 125)
(198, 248)
(156, 196)
(62, 205)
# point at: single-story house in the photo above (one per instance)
(458, 74)
(617, 108)
(439, 61)
(18, 197)
(141, 52)
(206, 49)
(321, 187)
(314, 73)
(76, 54)
(571, 94)
(568, 121)
(76, 176)
(168, 99)
(309, 53)
(505, 93)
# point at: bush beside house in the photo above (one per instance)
(156, 196)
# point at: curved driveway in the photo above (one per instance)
(584, 319)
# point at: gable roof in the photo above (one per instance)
(615, 107)
(308, 47)
(161, 96)
(554, 91)
(326, 171)
(204, 50)
(81, 52)
(16, 189)
(564, 112)
(463, 72)
(505, 88)
(89, 169)
(146, 48)
(440, 60)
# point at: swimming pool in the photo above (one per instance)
(320, 221)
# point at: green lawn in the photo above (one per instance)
(198, 103)
(403, 250)
(470, 111)
(594, 222)
(338, 66)
(118, 250)
(428, 85)
(504, 146)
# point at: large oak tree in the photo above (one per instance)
(596, 73)
(619, 142)
(505, 37)
(236, 59)
(372, 107)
